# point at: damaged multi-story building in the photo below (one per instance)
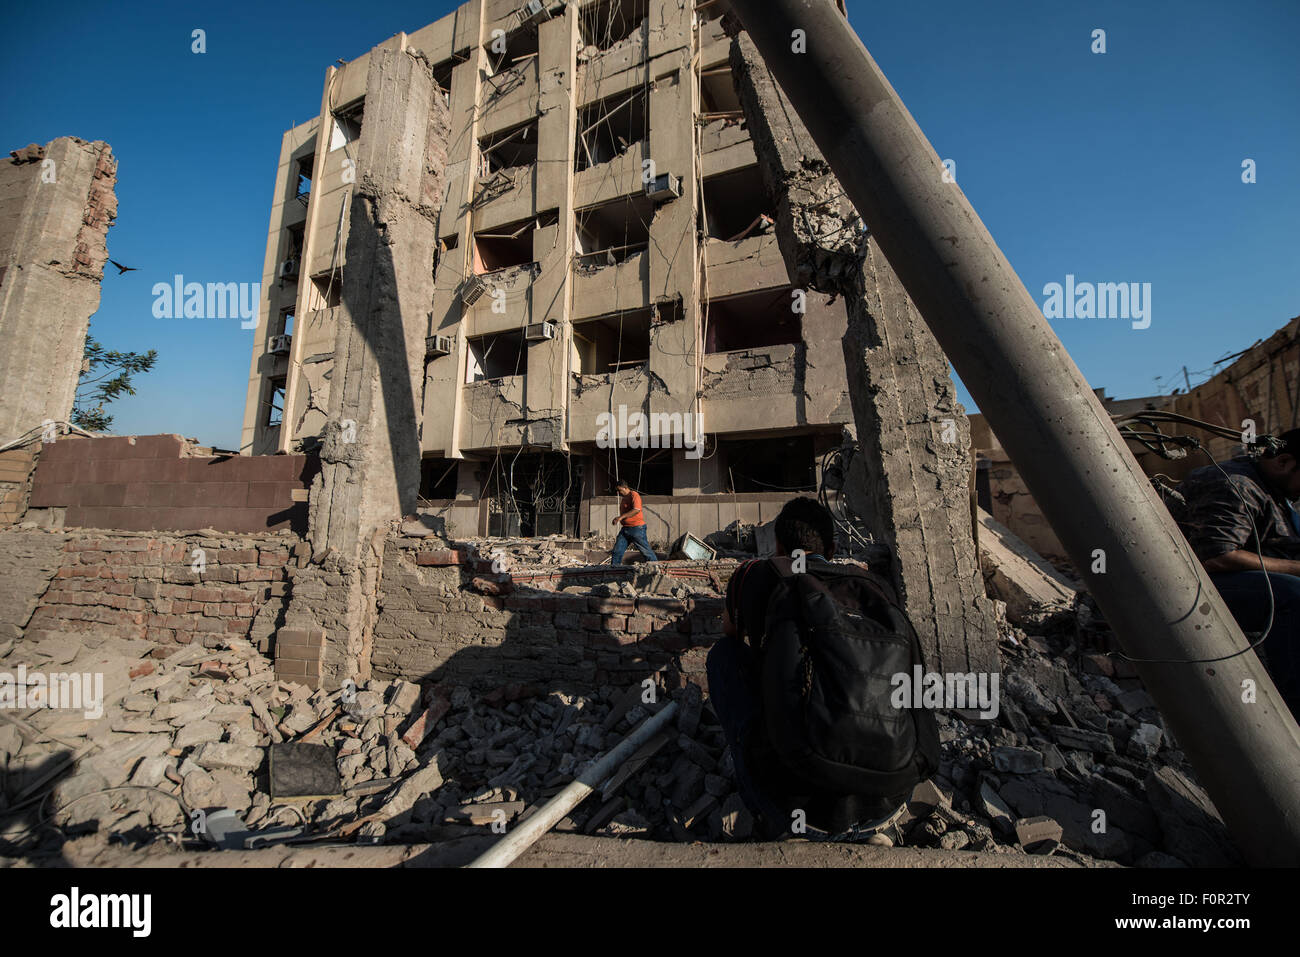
(602, 250)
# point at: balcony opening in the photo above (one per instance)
(287, 268)
(302, 187)
(347, 124)
(649, 470)
(496, 356)
(508, 149)
(504, 247)
(326, 291)
(610, 127)
(296, 236)
(783, 464)
(442, 73)
(752, 321)
(614, 342)
(602, 25)
(718, 94)
(438, 478)
(445, 245)
(736, 205)
(275, 403)
(506, 50)
(612, 232)
(284, 327)
(508, 55)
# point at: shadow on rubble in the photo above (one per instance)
(532, 641)
(27, 807)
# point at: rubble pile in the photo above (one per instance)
(546, 552)
(1077, 760)
(191, 732)
(499, 755)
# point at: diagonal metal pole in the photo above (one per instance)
(502, 853)
(1154, 592)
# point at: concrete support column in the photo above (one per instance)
(370, 456)
(911, 483)
(674, 242)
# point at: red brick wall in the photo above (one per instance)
(138, 586)
(145, 484)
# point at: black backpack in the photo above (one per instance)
(834, 639)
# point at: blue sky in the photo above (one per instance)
(1115, 167)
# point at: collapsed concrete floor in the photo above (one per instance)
(1077, 764)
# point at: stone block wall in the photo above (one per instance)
(29, 560)
(169, 590)
(433, 624)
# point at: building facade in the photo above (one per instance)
(609, 299)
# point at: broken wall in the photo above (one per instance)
(56, 206)
(16, 467)
(439, 622)
(370, 454)
(1262, 387)
(171, 590)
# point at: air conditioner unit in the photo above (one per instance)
(289, 269)
(437, 346)
(532, 10)
(537, 331)
(664, 187)
(472, 289)
(280, 345)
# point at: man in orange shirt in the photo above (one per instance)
(633, 523)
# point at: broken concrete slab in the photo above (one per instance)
(1038, 835)
(1034, 591)
(415, 786)
(215, 755)
(1193, 830)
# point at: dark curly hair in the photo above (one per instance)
(805, 523)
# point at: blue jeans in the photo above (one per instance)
(735, 699)
(1246, 595)
(636, 535)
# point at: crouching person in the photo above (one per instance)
(800, 683)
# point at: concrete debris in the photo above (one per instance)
(1033, 590)
(1076, 761)
(1038, 835)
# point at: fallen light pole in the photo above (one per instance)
(1153, 591)
(552, 812)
